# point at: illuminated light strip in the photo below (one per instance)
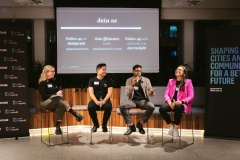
(133, 28)
(215, 88)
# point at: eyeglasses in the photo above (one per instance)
(179, 69)
(137, 70)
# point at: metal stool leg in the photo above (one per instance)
(67, 139)
(110, 137)
(110, 130)
(147, 134)
(180, 146)
(46, 113)
(91, 133)
(163, 134)
(128, 139)
(47, 116)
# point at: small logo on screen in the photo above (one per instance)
(12, 129)
(6, 76)
(4, 102)
(11, 94)
(3, 50)
(18, 85)
(17, 33)
(9, 59)
(19, 120)
(4, 120)
(3, 85)
(3, 67)
(17, 50)
(10, 111)
(6, 41)
(3, 32)
(18, 102)
(18, 68)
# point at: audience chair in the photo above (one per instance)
(53, 139)
(179, 139)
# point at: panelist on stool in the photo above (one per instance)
(52, 97)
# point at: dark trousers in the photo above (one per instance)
(178, 109)
(93, 108)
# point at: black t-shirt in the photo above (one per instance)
(176, 91)
(48, 88)
(138, 94)
(100, 87)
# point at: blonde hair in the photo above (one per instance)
(43, 76)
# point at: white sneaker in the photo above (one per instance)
(170, 132)
(175, 133)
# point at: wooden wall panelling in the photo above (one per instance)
(81, 97)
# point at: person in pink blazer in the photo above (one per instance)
(178, 96)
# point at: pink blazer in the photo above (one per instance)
(187, 94)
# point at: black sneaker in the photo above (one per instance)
(58, 131)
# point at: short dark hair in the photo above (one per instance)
(100, 65)
(136, 66)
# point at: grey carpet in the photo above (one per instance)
(31, 148)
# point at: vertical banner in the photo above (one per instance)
(223, 95)
(14, 110)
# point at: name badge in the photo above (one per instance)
(136, 88)
(49, 85)
(177, 88)
(96, 83)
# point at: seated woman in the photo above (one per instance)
(178, 96)
(52, 97)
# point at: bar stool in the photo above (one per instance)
(110, 129)
(85, 108)
(180, 146)
(51, 136)
(135, 111)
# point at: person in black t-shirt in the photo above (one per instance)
(100, 90)
(138, 89)
(52, 97)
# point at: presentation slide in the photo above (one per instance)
(119, 37)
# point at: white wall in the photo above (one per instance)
(207, 10)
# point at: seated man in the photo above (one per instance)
(138, 89)
(100, 90)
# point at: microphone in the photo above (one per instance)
(139, 77)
